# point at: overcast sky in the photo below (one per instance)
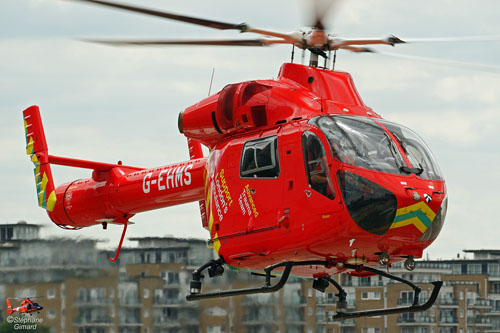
(108, 104)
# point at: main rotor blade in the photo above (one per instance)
(242, 27)
(453, 39)
(236, 42)
(171, 16)
(357, 49)
(337, 42)
(321, 11)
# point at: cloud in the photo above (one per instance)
(474, 88)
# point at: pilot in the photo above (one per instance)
(317, 170)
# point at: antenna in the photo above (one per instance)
(211, 81)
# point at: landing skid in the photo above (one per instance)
(415, 307)
(215, 268)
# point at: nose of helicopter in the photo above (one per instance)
(393, 206)
(422, 207)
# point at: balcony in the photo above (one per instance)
(92, 302)
(479, 303)
(404, 320)
(494, 311)
(164, 301)
(325, 301)
(447, 302)
(482, 321)
(98, 321)
(129, 302)
(346, 323)
(166, 324)
(448, 321)
(259, 299)
(261, 321)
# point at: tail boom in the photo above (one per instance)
(115, 195)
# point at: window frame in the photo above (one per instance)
(274, 156)
(322, 161)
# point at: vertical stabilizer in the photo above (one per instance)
(9, 307)
(36, 147)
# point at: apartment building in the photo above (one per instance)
(82, 291)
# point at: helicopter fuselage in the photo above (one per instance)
(299, 169)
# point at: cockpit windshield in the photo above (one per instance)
(360, 142)
(416, 150)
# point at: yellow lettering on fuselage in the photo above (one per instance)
(225, 188)
(250, 199)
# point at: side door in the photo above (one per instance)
(319, 191)
(310, 190)
(260, 182)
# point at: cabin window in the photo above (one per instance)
(318, 175)
(259, 158)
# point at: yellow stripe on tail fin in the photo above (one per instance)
(36, 147)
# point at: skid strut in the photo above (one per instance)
(215, 268)
(195, 287)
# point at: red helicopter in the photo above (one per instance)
(27, 306)
(302, 177)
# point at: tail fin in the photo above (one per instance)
(36, 147)
(9, 307)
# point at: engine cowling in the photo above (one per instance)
(246, 106)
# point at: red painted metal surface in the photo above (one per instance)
(119, 193)
(258, 221)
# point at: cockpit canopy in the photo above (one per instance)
(378, 145)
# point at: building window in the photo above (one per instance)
(51, 314)
(259, 158)
(456, 269)
(406, 297)
(146, 293)
(370, 330)
(494, 269)
(474, 269)
(215, 329)
(370, 295)
(170, 277)
(365, 281)
(330, 298)
(495, 288)
(51, 293)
